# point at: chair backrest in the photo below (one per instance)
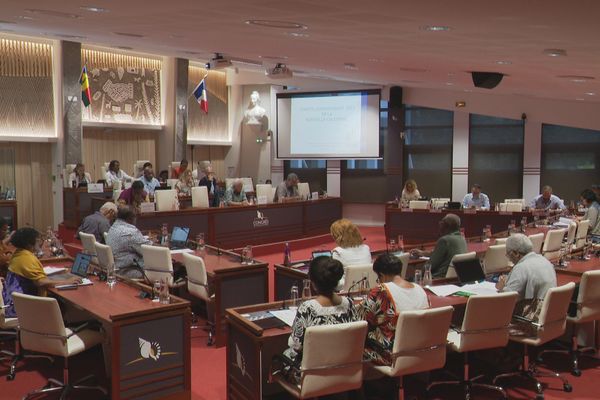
(172, 182)
(501, 240)
(166, 200)
(538, 241)
(418, 204)
(495, 259)
(404, 258)
(273, 191)
(200, 197)
(451, 272)
(197, 280)
(354, 273)
(116, 195)
(157, 263)
(553, 243)
(41, 324)
(104, 169)
(229, 182)
(105, 256)
(588, 298)
(2, 312)
(420, 340)
(264, 190)
(553, 316)
(512, 201)
(439, 203)
(89, 243)
(248, 184)
(486, 320)
(339, 347)
(511, 207)
(138, 167)
(303, 190)
(571, 230)
(582, 231)
(66, 172)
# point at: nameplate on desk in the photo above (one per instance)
(147, 207)
(315, 196)
(95, 188)
(261, 200)
(505, 213)
(260, 221)
(435, 211)
(470, 211)
(407, 210)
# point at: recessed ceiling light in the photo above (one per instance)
(435, 28)
(375, 60)
(449, 84)
(590, 93)
(273, 57)
(176, 36)
(94, 9)
(580, 99)
(52, 13)
(134, 35)
(576, 78)
(555, 52)
(503, 62)
(297, 34)
(467, 90)
(408, 69)
(276, 24)
(350, 66)
(25, 17)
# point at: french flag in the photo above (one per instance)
(200, 95)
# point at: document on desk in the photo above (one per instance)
(444, 290)
(286, 316)
(49, 270)
(179, 251)
(484, 287)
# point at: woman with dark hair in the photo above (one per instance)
(327, 308)
(383, 305)
(590, 200)
(25, 272)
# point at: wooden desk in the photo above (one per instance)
(129, 320)
(77, 204)
(8, 210)
(233, 227)
(233, 284)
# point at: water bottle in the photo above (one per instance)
(427, 279)
(306, 292)
(155, 291)
(294, 296)
(287, 255)
(418, 278)
(164, 295)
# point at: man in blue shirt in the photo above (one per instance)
(547, 201)
(476, 199)
(149, 181)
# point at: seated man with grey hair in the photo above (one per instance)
(235, 195)
(531, 276)
(448, 245)
(99, 222)
(287, 189)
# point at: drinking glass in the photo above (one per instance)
(392, 246)
(401, 243)
(427, 279)
(294, 296)
(200, 245)
(418, 278)
(155, 291)
(306, 291)
(164, 295)
(111, 276)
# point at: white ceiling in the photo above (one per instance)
(385, 39)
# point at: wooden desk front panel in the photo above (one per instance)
(77, 204)
(320, 214)
(195, 219)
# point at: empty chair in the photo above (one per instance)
(551, 325)
(419, 345)
(331, 361)
(89, 245)
(553, 243)
(166, 200)
(105, 256)
(418, 204)
(197, 285)
(303, 190)
(138, 167)
(571, 230)
(172, 182)
(404, 258)
(451, 273)
(484, 326)
(354, 273)
(511, 207)
(42, 330)
(200, 197)
(513, 201)
(66, 172)
(581, 236)
(537, 241)
(495, 259)
(264, 190)
(158, 265)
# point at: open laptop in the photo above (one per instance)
(321, 253)
(79, 269)
(179, 237)
(469, 271)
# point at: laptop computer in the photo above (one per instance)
(321, 253)
(179, 237)
(81, 265)
(469, 271)
(453, 205)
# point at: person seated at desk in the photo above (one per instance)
(5, 252)
(79, 176)
(134, 196)
(327, 308)
(99, 222)
(410, 192)
(531, 277)
(547, 201)
(287, 189)
(115, 174)
(447, 246)
(350, 248)
(235, 195)
(210, 181)
(146, 165)
(176, 172)
(185, 183)
(126, 241)
(149, 181)
(25, 272)
(590, 200)
(383, 305)
(476, 199)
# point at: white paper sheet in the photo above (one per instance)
(484, 287)
(286, 316)
(444, 290)
(179, 251)
(49, 270)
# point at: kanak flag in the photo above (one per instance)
(200, 95)
(86, 96)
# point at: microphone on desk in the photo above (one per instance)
(138, 266)
(361, 280)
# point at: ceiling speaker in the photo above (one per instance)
(486, 80)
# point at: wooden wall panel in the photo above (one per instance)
(214, 154)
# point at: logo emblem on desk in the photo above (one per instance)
(240, 362)
(260, 220)
(149, 350)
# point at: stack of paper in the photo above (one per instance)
(484, 287)
(444, 290)
(286, 316)
(49, 270)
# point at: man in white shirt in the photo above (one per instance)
(115, 174)
(476, 199)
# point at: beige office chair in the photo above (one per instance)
(551, 325)
(404, 259)
(553, 243)
(485, 326)
(451, 272)
(537, 241)
(418, 204)
(331, 361)
(303, 190)
(587, 310)
(229, 182)
(501, 240)
(571, 230)
(138, 168)
(510, 207)
(248, 184)
(158, 265)
(66, 172)
(265, 190)
(104, 169)
(581, 236)
(166, 200)
(42, 330)
(105, 256)
(197, 285)
(200, 197)
(89, 245)
(495, 259)
(172, 182)
(514, 201)
(354, 273)
(419, 345)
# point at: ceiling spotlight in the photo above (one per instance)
(52, 13)
(275, 58)
(375, 60)
(555, 52)
(590, 93)
(580, 99)
(449, 84)
(350, 66)
(503, 62)
(577, 78)
(127, 34)
(25, 17)
(435, 28)
(297, 34)
(94, 9)
(276, 24)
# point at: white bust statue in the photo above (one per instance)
(255, 114)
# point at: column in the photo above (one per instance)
(460, 156)
(181, 101)
(532, 157)
(334, 177)
(70, 58)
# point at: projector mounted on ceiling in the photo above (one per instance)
(219, 62)
(280, 71)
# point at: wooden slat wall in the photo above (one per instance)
(102, 145)
(33, 175)
(214, 154)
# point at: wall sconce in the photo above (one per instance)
(259, 140)
(181, 107)
(72, 99)
(460, 104)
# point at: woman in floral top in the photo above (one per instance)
(383, 305)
